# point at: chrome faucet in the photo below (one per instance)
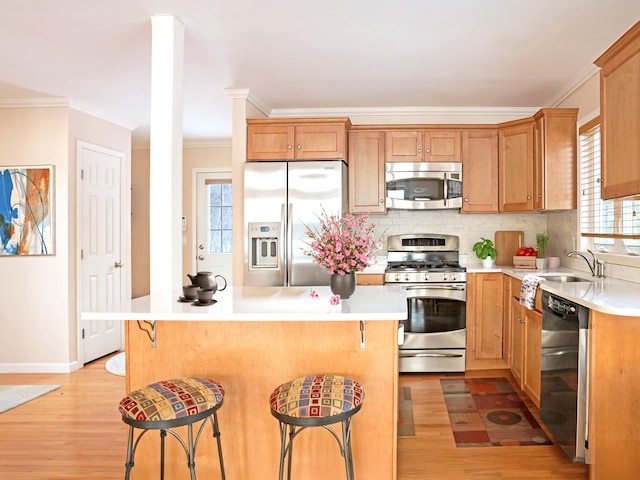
(597, 269)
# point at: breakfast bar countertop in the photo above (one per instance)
(264, 304)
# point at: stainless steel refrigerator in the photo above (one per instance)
(280, 198)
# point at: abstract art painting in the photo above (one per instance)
(26, 210)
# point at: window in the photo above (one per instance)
(220, 217)
(605, 225)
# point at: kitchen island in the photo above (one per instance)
(254, 339)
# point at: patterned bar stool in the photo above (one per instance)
(168, 404)
(316, 401)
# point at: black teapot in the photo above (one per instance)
(207, 281)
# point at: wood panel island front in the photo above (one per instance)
(252, 340)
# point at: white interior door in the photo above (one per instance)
(214, 234)
(100, 243)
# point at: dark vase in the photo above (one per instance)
(343, 285)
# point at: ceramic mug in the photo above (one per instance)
(205, 295)
(190, 292)
(554, 262)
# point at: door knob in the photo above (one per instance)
(200, 257)
(201, 247)
(118, 264)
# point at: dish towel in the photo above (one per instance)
(528, 290)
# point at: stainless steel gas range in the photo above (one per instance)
(435, 331)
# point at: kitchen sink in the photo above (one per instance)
(565, 278)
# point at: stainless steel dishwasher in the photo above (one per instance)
(563, 392)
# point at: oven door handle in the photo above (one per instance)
(426, 286)
(442, 355)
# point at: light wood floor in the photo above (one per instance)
(432, 453)
(58, 436)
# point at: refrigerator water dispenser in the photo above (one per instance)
(264, 239)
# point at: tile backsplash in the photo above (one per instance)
(469, 227)
(561, 227)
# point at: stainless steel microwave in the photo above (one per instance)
(423, 185)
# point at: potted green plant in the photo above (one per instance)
(542, 244)
(485, 251)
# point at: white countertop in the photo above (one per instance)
(606, 295)
(264, 304)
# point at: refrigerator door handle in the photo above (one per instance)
(289, 242)
(284, 263)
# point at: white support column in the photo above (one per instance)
(165, 192)
(240, 108)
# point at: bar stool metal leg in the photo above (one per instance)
(216, 435)
(129, 463)
(346, 442)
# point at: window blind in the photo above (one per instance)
(602, 220)
(596, 215)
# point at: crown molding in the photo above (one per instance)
(50, 102)
(221, 143)
(588, 72)
(103, 115)
(403, 111)
(245, 93)
(43, 102)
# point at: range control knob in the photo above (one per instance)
(397, 277)
(445, 277)
(454, 277)
(406, 277)
(425, 277)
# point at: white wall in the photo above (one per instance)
(38, 319)
(193, 158)
(35, 311)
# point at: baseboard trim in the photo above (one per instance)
(40, 367)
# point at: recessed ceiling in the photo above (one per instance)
(306, 56)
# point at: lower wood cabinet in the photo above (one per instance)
(614, 389)
(525, 343)
(369, 279)
(484, 321)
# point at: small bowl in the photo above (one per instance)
(205, 295)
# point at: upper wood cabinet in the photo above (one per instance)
(297, 139)
(480, 171)
(366, 172)
(620, 116)
(555, 159)
(515, 156)
(422, 146)
(538, 162)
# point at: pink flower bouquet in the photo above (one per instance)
(342, 244)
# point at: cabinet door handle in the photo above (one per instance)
(299, 147)
(289, 146)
